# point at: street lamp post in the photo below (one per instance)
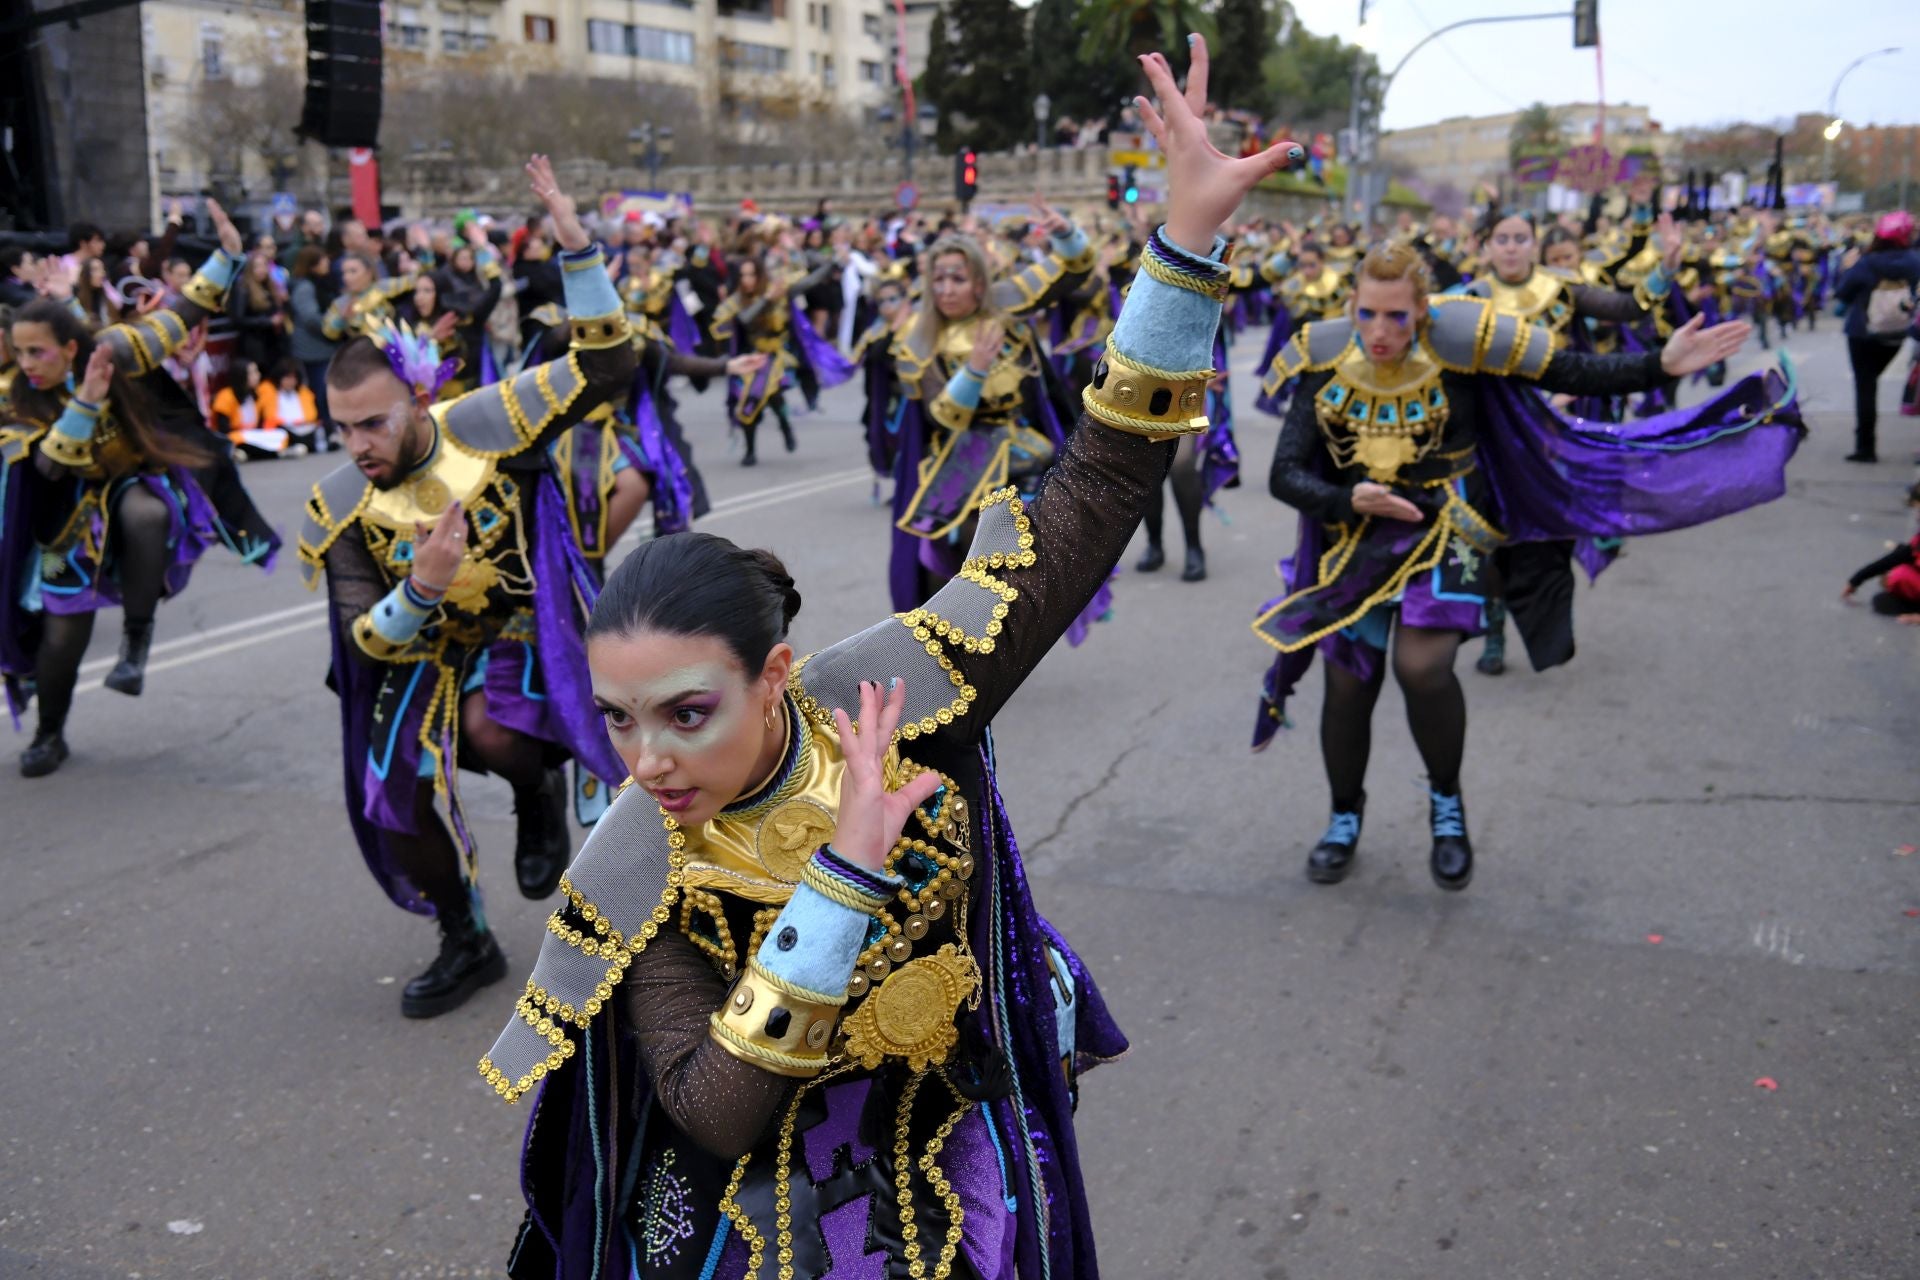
(650, 145)
(1834, 124)
(1042, 109)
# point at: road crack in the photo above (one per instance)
(1106, 780)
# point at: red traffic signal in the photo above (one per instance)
(966, 175)
(1113, 191)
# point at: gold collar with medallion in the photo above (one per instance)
(1325, 295)
(1544, 295)
(1382, 419)
(449, 473)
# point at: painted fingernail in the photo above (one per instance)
(1192, 38)
(893, 684)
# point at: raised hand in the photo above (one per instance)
(1204, 186)
(437, 554)
(1693, 347)
(98, 377)
(744, 366)
(1667, 235)
(987, 341)
(871, 817)
(568, 232)
(1049, 218)
(230, 242)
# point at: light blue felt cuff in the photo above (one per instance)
(220, 268)
(964, 389)
(78, 419)
(589, 290)
(1165, 326)
(1279, 263)
(1072, 244)
(397, 618)
(824, 945)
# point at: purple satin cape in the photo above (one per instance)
(1276, 339)
(828, 365)
(1555, 478)
(581, 1139)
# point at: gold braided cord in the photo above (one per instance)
(792, 991)
(775, 1060)
(1213, 289)
(1130, 365)
(834, 889)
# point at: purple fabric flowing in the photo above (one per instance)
(1556, 477)
(1219, 452)
(653, 451)
(829, 366)
(564, 592)
(680, 326)
(19, 629)
(1276, 338)
(489, 367)
(1098, 609)
(905, 586)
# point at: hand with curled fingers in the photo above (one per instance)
(871, 817)
(1204, 186)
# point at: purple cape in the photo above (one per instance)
(1555, 478)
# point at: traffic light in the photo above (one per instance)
(966, 175)
(1131, 187)
(1586, 23)
(1113, 191)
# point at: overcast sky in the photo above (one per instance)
(1694, 62)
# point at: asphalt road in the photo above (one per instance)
(1692, 878)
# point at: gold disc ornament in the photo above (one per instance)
(910, 1015)
(789, 836)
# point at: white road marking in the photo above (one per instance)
(740, 504)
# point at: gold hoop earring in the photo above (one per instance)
(769, 717)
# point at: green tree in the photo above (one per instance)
(1537, 131)
(1310, 78)
(1080, 89)
(1124, 29)
(984, 97)
(1246, 30)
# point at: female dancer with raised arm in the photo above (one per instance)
(799, 1016)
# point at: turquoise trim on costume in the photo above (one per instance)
(589, 292)
(718, 1247)
(1065, 1032)
(477, 678)
(526, 677)
(1165, 326)
(1007, 1197)
(381, 764)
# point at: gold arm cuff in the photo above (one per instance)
(596, 333)
(1215, 289)
(377, 646)
(775, 1025)
(66, 451)
(1144, 401)
(202, 292)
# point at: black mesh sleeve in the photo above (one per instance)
(1088, 506)
(725, 1105)
(354, 584)
(1578, 373)
(1295, 477)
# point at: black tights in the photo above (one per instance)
(138, 552)
(429, 858)
(777, 406)
(1187, 496)
(1436, 712)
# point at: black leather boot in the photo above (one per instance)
(469, 959)
(1151, 559)
(1196, 567)
(129, 676)
(541, 848)
(1333, 857)
(47, 753)
(1452, 859)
